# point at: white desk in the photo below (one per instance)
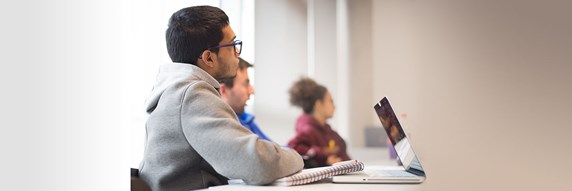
(452, 164)
(376, 156)
(324, 186)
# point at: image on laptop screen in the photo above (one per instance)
(397, 135)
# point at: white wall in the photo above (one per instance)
(360, 71)
(322, 41)
(485, 85)
(281, 57)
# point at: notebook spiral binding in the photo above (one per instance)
(306, 178)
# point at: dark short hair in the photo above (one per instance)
(242, 65)
(305, 92)
(192, 30)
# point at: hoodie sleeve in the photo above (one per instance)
(213, 130)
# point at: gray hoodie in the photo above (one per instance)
(194, 139)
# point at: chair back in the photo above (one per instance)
(137, 184)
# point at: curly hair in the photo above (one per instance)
(305, 92)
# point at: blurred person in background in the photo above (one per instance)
(236, 92)
(315, 140)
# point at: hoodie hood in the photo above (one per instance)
(172, 74)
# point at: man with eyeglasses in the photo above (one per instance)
(194, 139)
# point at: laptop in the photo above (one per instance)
(410, 172)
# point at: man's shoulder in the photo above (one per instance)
(200, 92)
(197, 83)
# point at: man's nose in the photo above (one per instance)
(250, 89)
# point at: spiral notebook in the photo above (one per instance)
(314, 174)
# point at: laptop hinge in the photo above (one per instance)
(416, 172)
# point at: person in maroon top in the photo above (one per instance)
(315, 140)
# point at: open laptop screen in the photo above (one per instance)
(397, 135)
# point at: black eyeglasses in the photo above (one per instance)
(237, 46)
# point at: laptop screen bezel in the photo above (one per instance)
(402, 134)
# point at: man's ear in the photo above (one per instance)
(222, 90)
(207, 57)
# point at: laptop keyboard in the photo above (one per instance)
(394, 173)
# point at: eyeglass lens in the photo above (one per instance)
(238, 47)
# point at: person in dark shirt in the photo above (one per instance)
(315, 140)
